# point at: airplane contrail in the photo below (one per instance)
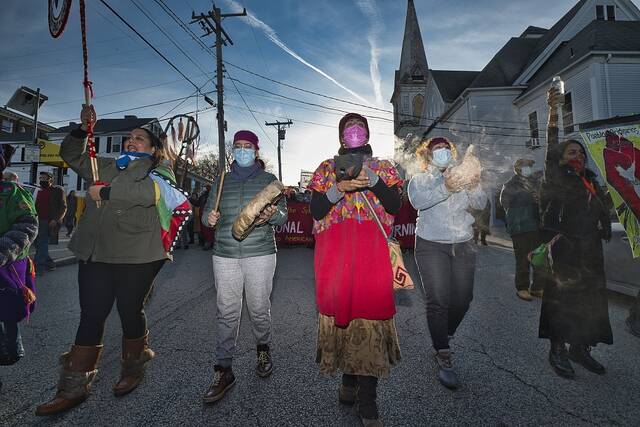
(255, 22)
(370, 9)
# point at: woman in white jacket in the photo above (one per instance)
(444, 251)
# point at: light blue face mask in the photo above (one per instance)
(525, 171)
(244, 156)
(442, 157)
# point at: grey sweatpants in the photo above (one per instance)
(254, 276)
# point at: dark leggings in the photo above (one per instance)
(101, 284)
(446, 271)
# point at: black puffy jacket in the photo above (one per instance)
(235, 195)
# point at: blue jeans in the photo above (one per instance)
(446, 271)
(11, 349)
(42, 258)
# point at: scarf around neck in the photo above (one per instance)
(243, 174)
(127, 157)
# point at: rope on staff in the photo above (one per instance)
(88, 95)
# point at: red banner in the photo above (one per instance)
(404, 225)
(298, 228)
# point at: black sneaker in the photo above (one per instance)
(581, 354)
(223, 380)
(446, 374)
(264, 366)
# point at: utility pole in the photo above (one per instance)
(33, 174)
(212, 23)
(281, 133)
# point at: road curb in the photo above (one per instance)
(65, 261)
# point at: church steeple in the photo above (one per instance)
(410, 82)
(413, 60)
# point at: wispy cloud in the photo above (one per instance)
(271, 34)
(371, 11)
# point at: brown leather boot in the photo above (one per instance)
(77, 372)
(135, 356)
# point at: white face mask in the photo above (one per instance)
(525, 171)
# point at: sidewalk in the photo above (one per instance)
(500, 237)
(59, 253)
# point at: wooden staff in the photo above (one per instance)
(215, 209)
(88, 94)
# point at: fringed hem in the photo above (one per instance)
(364, 347)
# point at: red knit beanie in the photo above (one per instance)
(246, 135)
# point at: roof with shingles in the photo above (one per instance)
(452, 83)
(507, 64)
(113, 125)
(533, 30)
(618, 36)
(554, 31)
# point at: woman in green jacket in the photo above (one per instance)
(242, 266)
(121, 246)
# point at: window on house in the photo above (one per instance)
(96, 142)
(108, 150)
(7, 126)
(116, 145)
(600, 13)
(418, 103)
(405, 103)
(567, 114)
(611, 13)
(533, 125)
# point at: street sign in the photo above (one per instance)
(50, 153)
(305, 179)
(31, 153)
(24, 101)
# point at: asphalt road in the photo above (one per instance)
(507, 380)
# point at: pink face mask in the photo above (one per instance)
(354, 136)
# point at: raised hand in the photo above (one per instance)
(87, 115)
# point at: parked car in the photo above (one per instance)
(623, 272)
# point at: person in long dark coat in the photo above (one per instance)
(573, 205)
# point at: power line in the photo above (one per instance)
(185, 100)
(155, 104)
(149, 44)
(180, 48)
(188, 30)
(344, 100)
(184, 26)
(168, 10)
(122, 92)
(378, 117)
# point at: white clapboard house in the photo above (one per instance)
(594, 48)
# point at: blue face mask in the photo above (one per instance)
(127, 157)
(525, 171)
(244, 156)
(442, 157)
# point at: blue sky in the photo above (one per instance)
(347, 49)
